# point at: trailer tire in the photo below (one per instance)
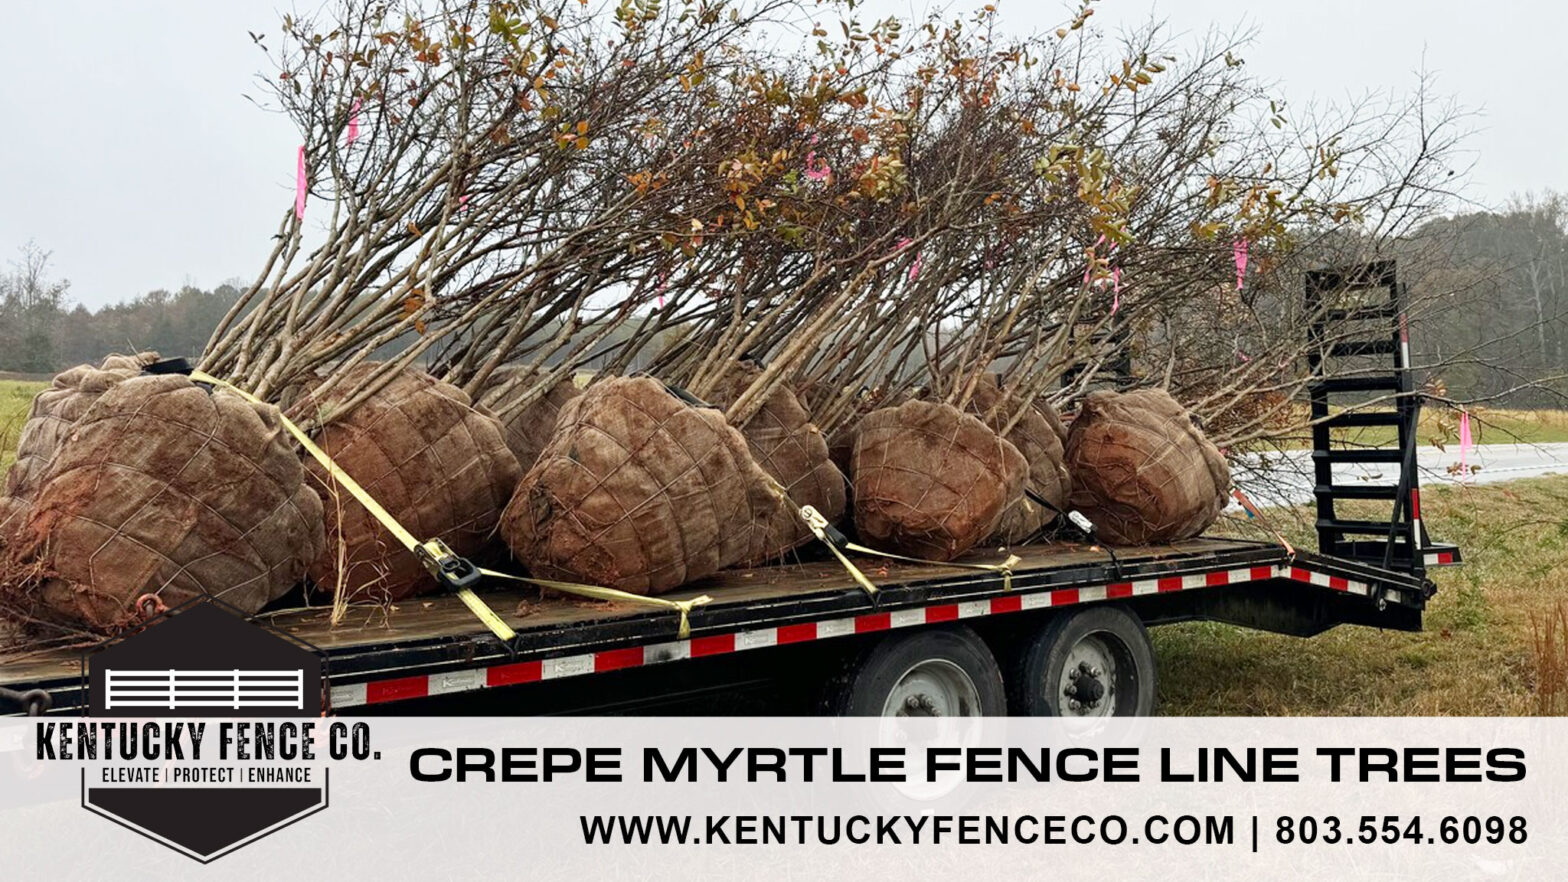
(1105, 645)
(936, 672)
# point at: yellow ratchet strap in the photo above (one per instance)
(838, 543)
(1005, 567)
(595, 592)
(442, 563)
(818, 525)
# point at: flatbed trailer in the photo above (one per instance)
(1063, 632)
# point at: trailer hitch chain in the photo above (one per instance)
(33, 702)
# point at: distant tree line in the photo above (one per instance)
(1501, 332)
(42, 331)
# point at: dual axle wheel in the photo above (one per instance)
(1095, 661)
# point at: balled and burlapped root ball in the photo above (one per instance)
(164, 488)
(931, 481)
(433, 461)
(788, 446)
(54, 412)
(528, 429)
(1143, 471)
(1042, 449)
(638, 490)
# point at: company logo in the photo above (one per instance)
(213, 743)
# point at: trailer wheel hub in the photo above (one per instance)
(933, 688)
(1088, 679)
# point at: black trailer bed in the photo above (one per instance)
(435, 646)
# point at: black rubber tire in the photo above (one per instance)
(863, 685)
(1039, 660)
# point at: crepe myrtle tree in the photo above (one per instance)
(487, 179)
(1115, 179)
(869, 209)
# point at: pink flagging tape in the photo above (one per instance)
(1464, 446)
(353, 122)
(511, 673)
(300, 185)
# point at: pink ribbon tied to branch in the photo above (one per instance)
(817, 169)
(914, 268)
(353, 122)
(1116, 273)
(300, 185)
(1239, 254)
(1464, 445)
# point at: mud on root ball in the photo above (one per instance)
(1143, 471)
(169, 488)
(640, 491)
(931, 481)
(436, 463)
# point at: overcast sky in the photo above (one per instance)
(128, 150)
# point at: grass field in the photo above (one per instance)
(15, 396)
(1488, 425)
(1478, 655)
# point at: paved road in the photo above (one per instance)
(1286, 478)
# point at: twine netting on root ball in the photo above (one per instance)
(930, 481)
(168, 488)
(528, 428)
(1037, 439)
(52, 415)
(639, 491)
(787, 445)
(1143, 471)
(440, 466)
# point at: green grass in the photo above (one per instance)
(15, 398)
(1477, 655)
(1488, 425)
(1440, 426)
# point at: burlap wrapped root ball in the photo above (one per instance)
(168, 488)
(1143, 471)
(788, 446)
(52, 415)
(931, 481)
(528, 429)
(1037, 439)
(437, 464)
(639, 491)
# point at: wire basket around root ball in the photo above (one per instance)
(788, 446)
(930, 481)
(640, 491)
(1037, 439)
(437, 464)
(1143, 471)
(50, 418)
(166, 488)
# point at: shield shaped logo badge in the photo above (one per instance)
(220, 707)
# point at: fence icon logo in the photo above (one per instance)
(203, 660)
(176, 690)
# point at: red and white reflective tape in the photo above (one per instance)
(1440, 559)
(511, 673)
(1323, 580)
